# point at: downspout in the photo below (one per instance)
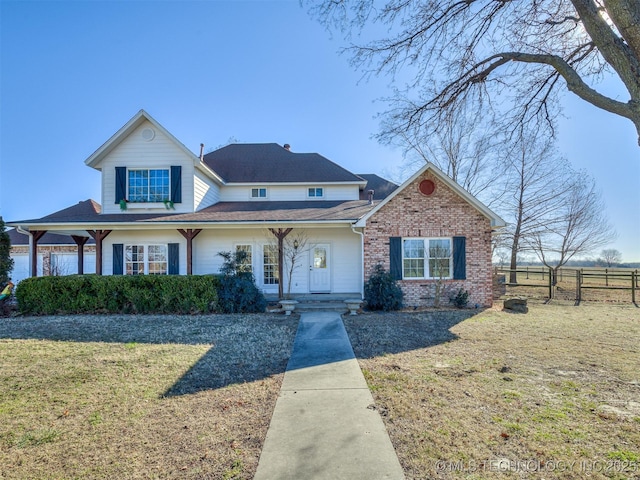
(361, 259)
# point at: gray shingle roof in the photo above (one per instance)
(269, 162)
(223, 212)
(19, 239)
(302, 211)
(380, 186)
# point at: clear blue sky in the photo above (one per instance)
(73, 72)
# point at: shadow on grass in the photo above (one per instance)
(376, 334)
(243, 348)
(246, 348)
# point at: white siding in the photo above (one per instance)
(346, 263)
(206, 192)
(289, 192)
(135, 152)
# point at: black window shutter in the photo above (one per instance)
(176, 184)
(395, 257)
(174, 259)
(121, 184)
(118, 259)
(459, 258)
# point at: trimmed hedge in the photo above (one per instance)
(118, 294)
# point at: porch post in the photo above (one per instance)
(80, 241)
(280, 234)
(35, 236)
(98, 236)
(189, 234)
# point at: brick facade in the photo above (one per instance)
(444, 213)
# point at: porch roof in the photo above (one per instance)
(87, 215)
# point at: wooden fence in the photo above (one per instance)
(601, 279)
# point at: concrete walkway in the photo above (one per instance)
(323, 426)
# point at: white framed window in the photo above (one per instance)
(247, 263)
(148, 185)
(315, 192)
(270, 275)
(259, 192)
(426, 258)
(145, 260)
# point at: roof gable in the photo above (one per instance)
(138, 119)
(271, 163)
(496, 221)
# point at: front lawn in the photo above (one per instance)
(106, 397)
(554, 393)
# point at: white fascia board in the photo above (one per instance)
(137, 120)
(63, 228)
(496, 221)
(295, 184)
(209, 173)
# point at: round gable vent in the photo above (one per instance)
(427, 187)
(148, 134)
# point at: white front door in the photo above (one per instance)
(320, 268)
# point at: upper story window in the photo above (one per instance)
(426, 258)
(258, 193)
(148, 185)
(315, 192)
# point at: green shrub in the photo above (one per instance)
(381, 292)
(460, 299)
(118, 294)
(237, 292)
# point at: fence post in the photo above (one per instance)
(633, 286)
(550, 284)
(606, 277)
(578, 290)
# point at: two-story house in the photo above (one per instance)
(166, 210)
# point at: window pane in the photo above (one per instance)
(440, 248)
(413, 249)
(270, 265)
(157, 260)
(319, 257)
(158, 185)
(440, 258)
(440, 268)
(134, 259)
(414, 268)
(247, 263)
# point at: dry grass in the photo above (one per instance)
(501, 395)
(138, 397)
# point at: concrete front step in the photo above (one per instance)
(304, 306)
(317, 302)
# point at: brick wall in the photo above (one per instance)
(442, 214)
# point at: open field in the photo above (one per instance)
(114, 397)
(554, 393)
